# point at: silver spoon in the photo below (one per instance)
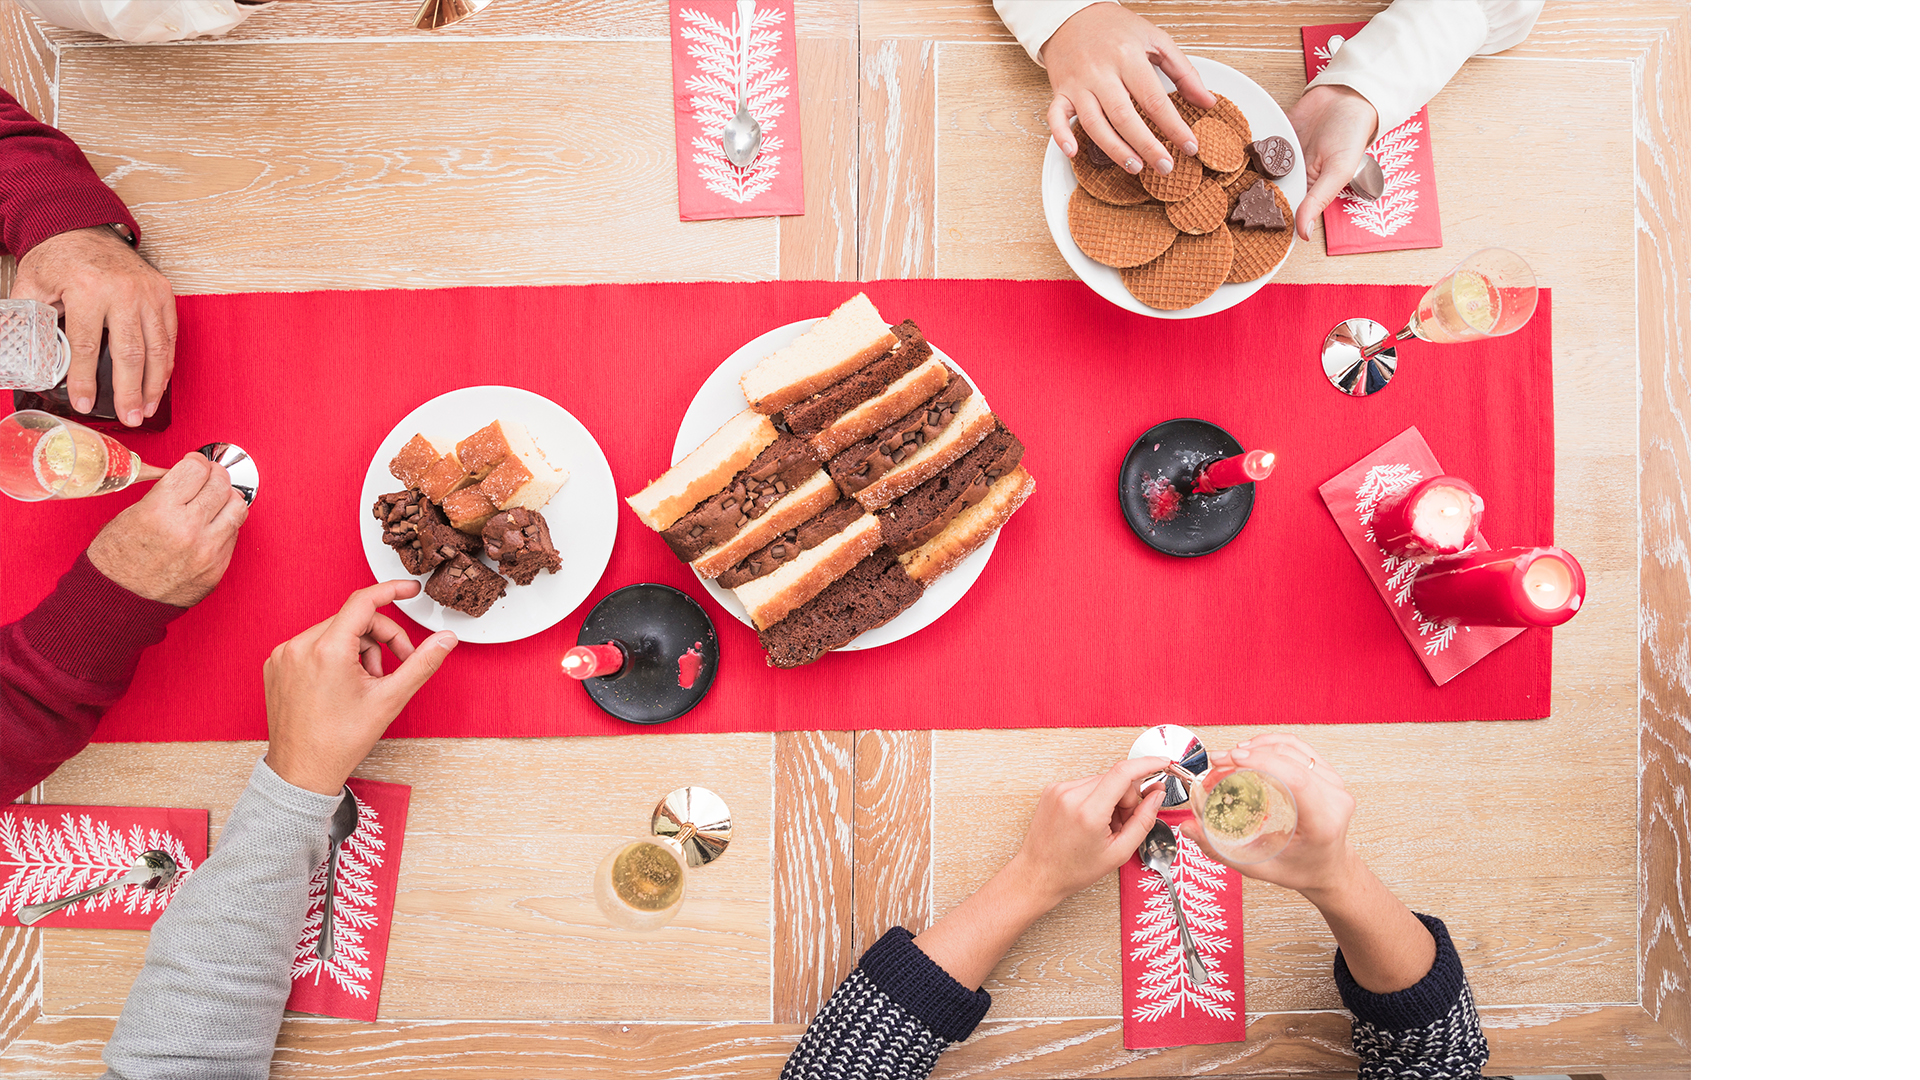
(1368, 182)
(741, 136)
(346, 818)
(152, 871)
(1157, 853)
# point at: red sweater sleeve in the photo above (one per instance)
(63, 665)
(46, 184)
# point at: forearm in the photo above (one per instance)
(1406, 54)
(209, 999)
(47, 185)
(1032, 22)
(1385, 946)
(970, 939)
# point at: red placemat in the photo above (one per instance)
(715, 58)
(1074, 623)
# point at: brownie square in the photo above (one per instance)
(520, 542)
(418, 532)
(464, 583)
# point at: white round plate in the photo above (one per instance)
(719, 400)
(1264, 116)
(584, 514)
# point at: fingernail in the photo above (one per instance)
(152, 407)
(1070, 147)
(446, 639)
(1191, 147)
(83, 404)
(1239, 754)
(1133, 165)
(1165, 165)
(132, 418)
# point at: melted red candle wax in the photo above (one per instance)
(1163, 499)
(690, 664)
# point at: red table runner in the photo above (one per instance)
(1074, 623)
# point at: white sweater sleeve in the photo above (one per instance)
(1409, 51)
(1032, 22)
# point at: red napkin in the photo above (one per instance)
(1160, 1005)
(708, 61)
(47, 852)
(1352, 497)
(348, 984)
(1407, 213)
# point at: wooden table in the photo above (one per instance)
(324, 145)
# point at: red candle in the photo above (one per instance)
(1239, 469)
(1440, 516)
(1541, 586)
(586, 661)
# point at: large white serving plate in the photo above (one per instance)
(584, 514)
(1264, 116)
(719, 400)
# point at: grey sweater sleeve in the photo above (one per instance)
(208, 1002)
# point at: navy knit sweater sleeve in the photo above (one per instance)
(1429, 1030)
(890, 1020)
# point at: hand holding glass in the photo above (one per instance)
(43, 456)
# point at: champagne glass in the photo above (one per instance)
(43, 456)
(1490, 294)
(1248, 815)
(641, 884)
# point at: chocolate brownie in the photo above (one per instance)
(920, 514)
(788, 545)
(869, 595)
(817, 413)
(418, 532)
(464, 583)
(866, 461)
(520, 542)
(781, 466)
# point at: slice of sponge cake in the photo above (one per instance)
(964, 535)
(703, 473)
(768, 599)
(518, 473)
(830, 350)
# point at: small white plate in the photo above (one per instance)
(719, 400)
(584, 514)
(1264, 116)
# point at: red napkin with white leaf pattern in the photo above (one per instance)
(1407, 213)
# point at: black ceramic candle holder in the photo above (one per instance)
(656, 625)
(1175, 451)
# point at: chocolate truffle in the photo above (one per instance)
(1272, 156)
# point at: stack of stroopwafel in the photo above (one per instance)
(1172, 237)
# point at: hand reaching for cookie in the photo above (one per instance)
(1100, 62)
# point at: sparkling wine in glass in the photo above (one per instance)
(45, 457)
(1490, 294)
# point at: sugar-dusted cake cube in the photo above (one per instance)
(522, 476)
(420, 454)
(485, 449)
(443, 478)
(469, 509)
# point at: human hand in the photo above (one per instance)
(328, 696)
(96, 280)
(1084, 829)
(1318, 859)
(175, 543)
(1101, 63)
(1335, 125)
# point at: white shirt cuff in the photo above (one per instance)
(1032, 22)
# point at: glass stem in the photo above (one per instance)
(1378, 347)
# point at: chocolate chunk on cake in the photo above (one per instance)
(464, 583)
(704, 471)
(769, 599)
(418, 532)
(924, 511)
(782, 466)
(869, 595)
(519, 541)
(788, 545)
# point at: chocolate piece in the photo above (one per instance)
(1259, 209)
(869, 595)
(1272, 156)
(784, 465)
(788, 546)
(817, 413)
(859, 465)
(920, 514)
(1094, 155)
(418, 532)
(464, 583)
(520, 542)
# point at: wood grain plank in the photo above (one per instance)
(1297, 1044)
(897, 184)
(1663, 125)
(247, 186)
(824, 243)
(503, 836)
(893, 834)
(27, 71)
(573, 20)
(20, 980)
(813, 780)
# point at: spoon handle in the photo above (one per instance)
(324, 950)
(30, 915)
(1196, 969)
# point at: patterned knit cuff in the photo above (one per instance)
(94, 629)
(917, 984)
(1418, 1005)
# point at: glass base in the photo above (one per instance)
(1347, 369)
